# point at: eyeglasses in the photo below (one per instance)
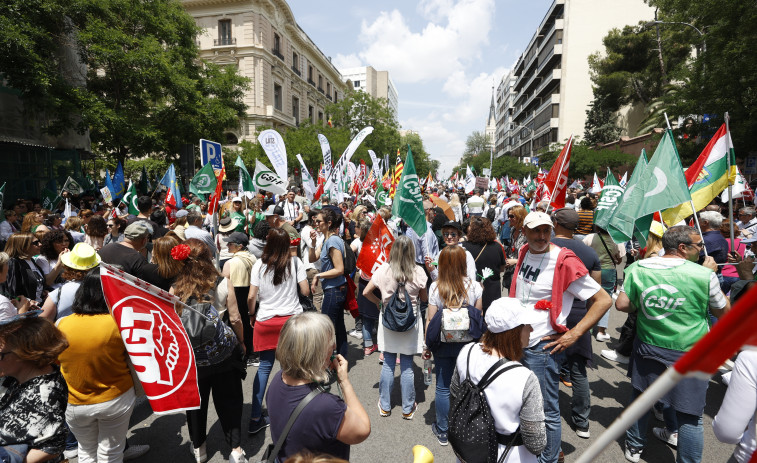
(3, 354)
(450, 234)
(110, 225)
(700, 244)
(510, 216)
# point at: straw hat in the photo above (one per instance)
(81, 257)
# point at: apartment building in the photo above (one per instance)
(546, 94)
(377, 84)
(292, 80)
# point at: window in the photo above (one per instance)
(356, 84)
(328, 88)
(296, 63)
(335, 98)
(296, 110)
(276, 43)
(320, 82)
(310, 75)
(224, 32)
(277, 96)
(310, 114)
(320, 117)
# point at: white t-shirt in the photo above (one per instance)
(534, 283)
(306, 243)
(474, 293)
(281, 300)
(737, 410)
(7, 310)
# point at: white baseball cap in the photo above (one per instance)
(507, 313)
(535, 219)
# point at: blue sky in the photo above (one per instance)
(443, 56)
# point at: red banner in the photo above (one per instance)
(155, 339)
(213, 202)
(376, 246)
(557, 178)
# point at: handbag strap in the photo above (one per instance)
(612, 258)
(480, 252)
(292, 418)
(509, 445)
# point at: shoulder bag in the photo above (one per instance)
(272, 451)
(305, 301)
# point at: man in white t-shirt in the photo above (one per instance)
(475, 204)
(550, 278)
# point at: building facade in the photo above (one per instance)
(377, 84)
(292, 80)
(545, 96)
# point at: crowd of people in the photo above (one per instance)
(500, 293)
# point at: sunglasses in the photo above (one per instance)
(450, 234)
(510, 216)
(35, 243)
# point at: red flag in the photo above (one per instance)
(557, 178)
(376, 246)
(155, 339)
(213, 203)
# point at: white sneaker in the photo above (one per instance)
(670, 438)
(633, 455)
(135, 451)
(611, 354)
(602, 337)
(201, 456)
(235, 457)
(71, 453)
(356, 334)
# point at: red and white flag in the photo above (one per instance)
(596, 185)
(376, 246)
(155, 340)
(557, 178)
(213, 202)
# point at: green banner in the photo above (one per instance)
(204, 182)
(408, 200)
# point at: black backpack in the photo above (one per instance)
(350, 260)
(491, 213)
(399, 315)
(471, 424)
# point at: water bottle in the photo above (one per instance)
(427, 371)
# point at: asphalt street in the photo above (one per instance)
(393, 438)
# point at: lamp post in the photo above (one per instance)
(701, 34)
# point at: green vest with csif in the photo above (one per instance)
(671, 304)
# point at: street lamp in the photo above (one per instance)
(701, 34)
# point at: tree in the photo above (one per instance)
(423, 163)
(358, 110)
(477, 152)
(141, 90)
(585, 160)
(601, 122)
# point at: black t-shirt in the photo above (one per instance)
(492, 257)
(316, 427)
(132, 262)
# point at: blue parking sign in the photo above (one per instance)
(210, 152)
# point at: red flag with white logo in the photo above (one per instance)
(155, 340)
(557, 178)
(376, 247)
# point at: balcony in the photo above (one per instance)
(329, 97)
(311, 82)
(277, 53)
(225, 42)
(321, 90)
(296, 71)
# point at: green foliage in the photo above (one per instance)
(142, 90)
(358, 110)
(601, 123)
(477, 153)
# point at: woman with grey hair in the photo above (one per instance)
(400, 270)
(328, 424)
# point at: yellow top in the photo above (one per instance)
(94, 365)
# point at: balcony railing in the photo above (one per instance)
(296, 71)
(321, 90)
(224, 41)
(329, 97)
(277, 53)
(311, 82)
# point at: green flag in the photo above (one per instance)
(612, 192)
(144, 183)
(130, 198)
(381, 196)
(204, 182)
(50, 199)
(641, 164)
(408, 201)
(245, 180)
(660, 186)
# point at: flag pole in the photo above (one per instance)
(691, 201)
(728, 148)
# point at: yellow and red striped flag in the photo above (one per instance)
(397, 175)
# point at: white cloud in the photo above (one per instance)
(347, 61)
(446, 44)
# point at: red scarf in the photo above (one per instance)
(568, 269)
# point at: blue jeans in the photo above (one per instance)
(444, 367)
(13, 453)
(609, 276)
(547, 367)
(267, 357)
(690, 434)
(580, 403)
(333, 307)
(368, 325)
(407, 381)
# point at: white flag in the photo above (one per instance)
(624, 180)
(266, 179)
(470, 180)
(351, 148)
(376, 165)
(739, 190)
(596, 188)
(326, 150)
(307, 179)
(273, 145)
